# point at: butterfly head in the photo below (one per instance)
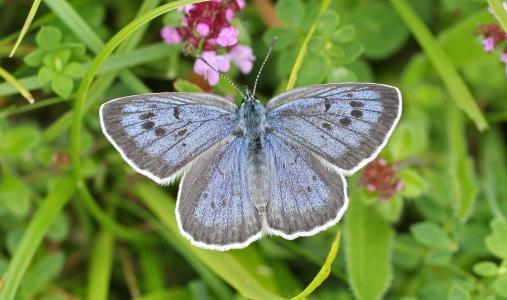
(249, 96)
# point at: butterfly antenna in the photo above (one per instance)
(222, 75)
(271, 45)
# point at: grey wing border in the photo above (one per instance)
(224, 104)
(273, 104)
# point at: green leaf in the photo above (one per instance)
(45, 75)
(19, 140)
(391, 209)
(182, 85)
(34, 58)
(368, 245)
(291, 12)
(42, 272)
(59, 230)
(500, 286)
(431, 235)
(74, 70)
(463, 185)
(414, 184)
(329, 22)
(344, 34)
(14, 195)
(341, 74)
(380, 29)
(49, 37)
(439, 257)
(496, 242)
(486, 269)
(62, 86)
(312, 72)
(457, 292)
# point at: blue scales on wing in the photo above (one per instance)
(214, 207)
(345, 124)
(305, 195)
(159, 134)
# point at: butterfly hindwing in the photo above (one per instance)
(305, 195)
(346, 124)
(214, 209)
(159, 134)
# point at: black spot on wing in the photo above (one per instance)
(176, 112)
(356, 104)
(148, 125)
(160, 131)
(326, 126)
(356, 113)
(345, 121)
(146, 116)
(181, 132)
(327, 105)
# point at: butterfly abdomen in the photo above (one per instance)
(253, 124)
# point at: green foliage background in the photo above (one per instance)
(77, 223)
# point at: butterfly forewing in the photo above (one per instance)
(305, 195)
(214, 208)
(159, 134)
(346, 124)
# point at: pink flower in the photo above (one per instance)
(503, 57)
(170, 35)
(186, 8)
(243, 57)
(229, 14)
(241, 3)
(228, 36)
(489, 44)
(202, 29)
(219, 62)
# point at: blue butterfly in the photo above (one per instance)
(254, 170)
(275, 169)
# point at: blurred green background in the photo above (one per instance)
(77, 223)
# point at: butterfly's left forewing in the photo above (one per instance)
(160, 134)
(345, 124)
(214, 208)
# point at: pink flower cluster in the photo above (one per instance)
(381, 177)
(207, 27)
(493, 35)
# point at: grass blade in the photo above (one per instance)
(53, 203)
(100, 267)
(302, 51)
(448, 73)
(500, 12)
(17, 85)
(324, 271)
(26, 25)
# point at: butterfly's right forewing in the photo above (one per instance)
(160, 134)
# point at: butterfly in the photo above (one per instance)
(254, 170)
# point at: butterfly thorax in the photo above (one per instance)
(253, 124)
(252, 118)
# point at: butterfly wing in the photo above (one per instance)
(214, 209)
(305, 195)
(159, 134)
(346, 124)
